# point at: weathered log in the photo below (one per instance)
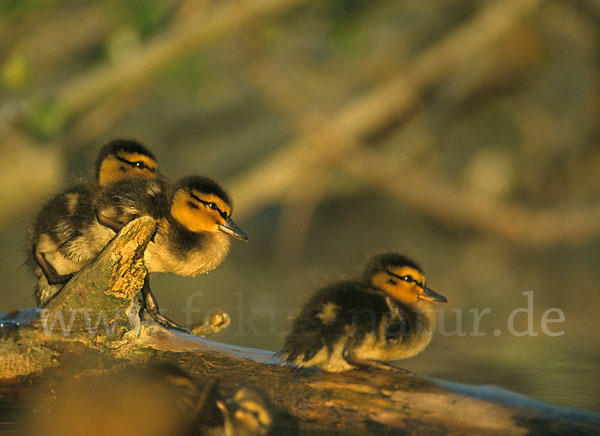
(94, 325)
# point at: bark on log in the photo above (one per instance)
(101, 329)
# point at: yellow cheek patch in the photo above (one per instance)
(112, 169)
(400, 290)
(195, 220)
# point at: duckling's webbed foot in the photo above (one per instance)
(151, 307)
(350, 357)
(52, 276)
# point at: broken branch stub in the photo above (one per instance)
(103, 292)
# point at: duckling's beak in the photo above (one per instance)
(232, 229)
(432, 296)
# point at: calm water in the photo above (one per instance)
(565, 375)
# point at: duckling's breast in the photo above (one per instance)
(185, 254)
(403, 333)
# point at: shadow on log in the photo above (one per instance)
(95, 324)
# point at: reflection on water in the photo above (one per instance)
(531, 366)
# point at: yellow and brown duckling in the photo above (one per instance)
(195, 224)
(247, 413)
(194, 221)
(384, 317)
(205, 410)
(57, 246)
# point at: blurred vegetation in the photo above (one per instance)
(465, 133)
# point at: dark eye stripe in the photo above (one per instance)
(208, 204)
(406, 278)
(138, 164)
(195, 197)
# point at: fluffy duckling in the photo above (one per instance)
(195, 223)
(385, 316)
(203, 409)
(247, 413)
(57, 245)
(207, 411)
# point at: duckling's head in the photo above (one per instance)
(401, 278)
(247, 413)
(123, 159)
(201, 206)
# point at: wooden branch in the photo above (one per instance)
(357, 402)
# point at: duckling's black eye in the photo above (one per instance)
(408, 279)
(213, 206)
(139, 164)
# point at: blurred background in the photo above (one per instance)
(464, 133)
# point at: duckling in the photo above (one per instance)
(57, 247)
(204, 410)
(247, 413)
(194, 218)
(383, 317)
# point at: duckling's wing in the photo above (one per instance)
(341, 311)
(62, 219)
(59, 217)
(316, 326)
